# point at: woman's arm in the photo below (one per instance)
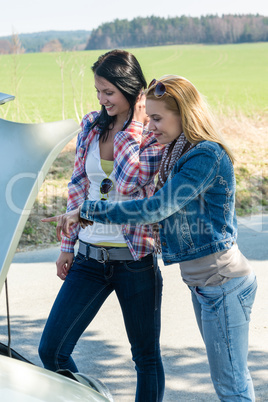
(194, 175)
(193, 178)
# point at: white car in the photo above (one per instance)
(27, 152)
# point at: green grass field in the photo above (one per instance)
(232, 77)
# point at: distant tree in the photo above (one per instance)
(52, 46)
(5, 46)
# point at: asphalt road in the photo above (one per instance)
(103, 351)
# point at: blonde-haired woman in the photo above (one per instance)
(195, 210)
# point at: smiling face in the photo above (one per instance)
(165, 124)
(111, 98)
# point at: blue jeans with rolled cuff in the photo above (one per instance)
(138, 286)
(223, 315)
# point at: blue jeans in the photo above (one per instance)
(138, 286)
(223, 315)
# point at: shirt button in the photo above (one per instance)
(164, 244)
(160, 226)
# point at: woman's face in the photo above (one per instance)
(111, 98)
(165, 124)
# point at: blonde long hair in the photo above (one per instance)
(198, 123)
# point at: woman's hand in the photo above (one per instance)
(64, 263)
(65, 221)
(139, 110)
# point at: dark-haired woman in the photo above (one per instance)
(116, 159)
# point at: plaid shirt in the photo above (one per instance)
(137, 157)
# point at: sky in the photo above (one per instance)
(27, 16)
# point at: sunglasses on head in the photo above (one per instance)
(105, 187)
(160, 88)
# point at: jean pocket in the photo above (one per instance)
(247, 297)
(79, 258)
(141, 265)
(209, 293)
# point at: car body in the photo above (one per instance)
(24, 382)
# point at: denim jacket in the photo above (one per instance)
(195, 208)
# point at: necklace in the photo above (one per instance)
(169, 159)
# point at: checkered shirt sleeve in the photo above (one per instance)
(137, 158)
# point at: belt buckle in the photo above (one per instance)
(105, 258)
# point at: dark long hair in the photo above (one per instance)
(123, 70)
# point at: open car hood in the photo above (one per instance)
(27, 152)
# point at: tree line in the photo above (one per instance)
(46, 41)
(158, 31)
(141, 32)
